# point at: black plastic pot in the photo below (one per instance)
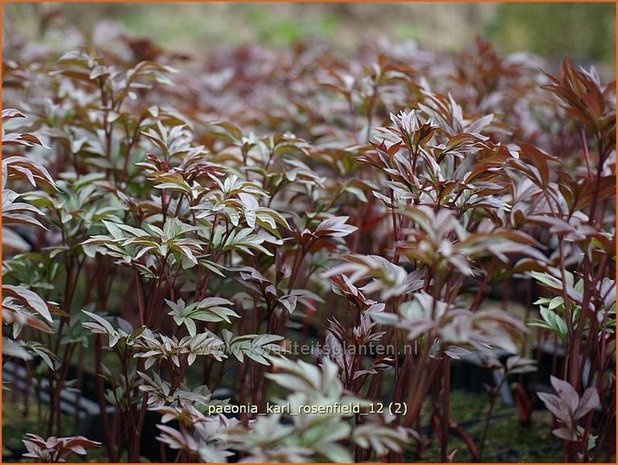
(72, 404)
(86, 408)
(469, 374)
(550, 358)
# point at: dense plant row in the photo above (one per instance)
(182, 234)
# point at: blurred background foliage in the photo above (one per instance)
(584, 31)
